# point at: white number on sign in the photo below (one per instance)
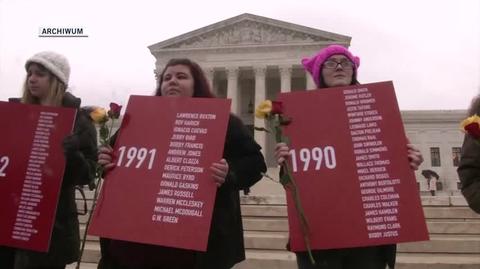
(136, 155)
(317, 154)
(3, 165)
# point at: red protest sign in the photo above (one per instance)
(31, 172)
(161, 191)
(349, 158)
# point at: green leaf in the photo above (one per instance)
(104, 132)
(285, 179)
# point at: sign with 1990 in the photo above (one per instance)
(349, 158)
(320, 157)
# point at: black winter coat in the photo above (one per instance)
(81, 156)
(225, 244)
(7, 257)
(469, 172)
(469, 167)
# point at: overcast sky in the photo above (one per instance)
(429, 48)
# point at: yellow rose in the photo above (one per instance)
(469, 120)
(264, 109)
(471, 126)
(99, 115)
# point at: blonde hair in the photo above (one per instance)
(55, 92)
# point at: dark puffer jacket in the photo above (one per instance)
(81, 155)
(225, 243)
(469, 167)
(469, 172)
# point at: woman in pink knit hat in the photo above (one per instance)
(336, 66)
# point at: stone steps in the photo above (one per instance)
(83, 266)
(274, 240)
(279, 259)
(463, 244)
(91, 253)
(437, 261)
(453, 227)
(454, 236)
(286, 260)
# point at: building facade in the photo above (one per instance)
(437, 134)
(250, 58)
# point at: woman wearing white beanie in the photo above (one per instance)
(45, 84)
(47, 79)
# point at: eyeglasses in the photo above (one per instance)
(333, 64)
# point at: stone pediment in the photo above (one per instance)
(249, 30)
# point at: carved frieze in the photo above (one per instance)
(247, 33)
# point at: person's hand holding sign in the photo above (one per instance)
(415, 157)
(219, 171)
(105, 158)
(281, 152)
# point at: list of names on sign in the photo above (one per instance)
(380, 198)
(32, 194)
(176, 197)
(354, 180)
(32, 165)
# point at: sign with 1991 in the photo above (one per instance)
(136, 156)
(164, 171)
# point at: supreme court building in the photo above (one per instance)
(250, 58)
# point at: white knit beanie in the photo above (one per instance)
(53, 62)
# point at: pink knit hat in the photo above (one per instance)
(314, 64)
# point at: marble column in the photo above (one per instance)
(156, 72)
(260, 96)
(422, 145)
(446, 163)
(232, 89)
(310, 82)
(210, 74)
(285, 78)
